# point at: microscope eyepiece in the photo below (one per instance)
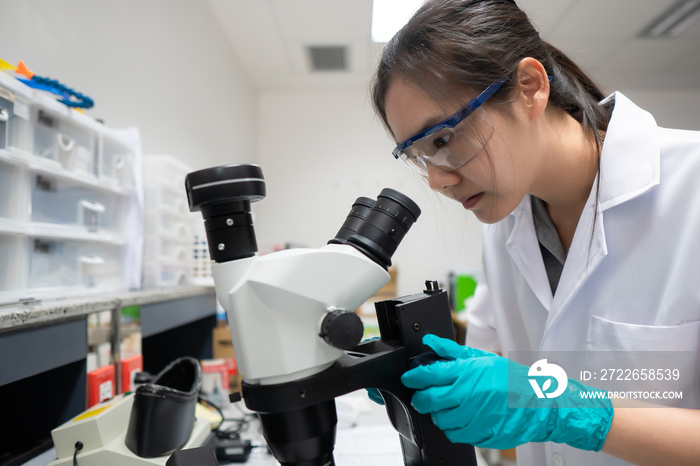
(223, 195)
(386, 224)
(357, 215)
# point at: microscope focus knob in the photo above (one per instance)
(342, 329)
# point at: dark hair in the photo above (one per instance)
(452, 45)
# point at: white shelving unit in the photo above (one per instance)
(169, 225)
(65, 184)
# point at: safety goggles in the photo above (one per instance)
(454, 141)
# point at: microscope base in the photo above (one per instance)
(102, 430)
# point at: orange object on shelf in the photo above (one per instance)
(100, 385)
(23, 70)
(130, 367)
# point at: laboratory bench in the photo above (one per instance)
(364, 436)
(44, 350)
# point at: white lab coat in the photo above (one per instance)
(631, 280)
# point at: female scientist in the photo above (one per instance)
(591, 242)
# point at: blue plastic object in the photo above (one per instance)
(67, 94)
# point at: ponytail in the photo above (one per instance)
(574, 92)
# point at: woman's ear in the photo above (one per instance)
(533, 86)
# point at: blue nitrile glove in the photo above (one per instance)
(375, 396)
(488, 401)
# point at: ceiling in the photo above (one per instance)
(270, 39)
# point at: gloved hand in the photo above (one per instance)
(486, 400)
(375, 396)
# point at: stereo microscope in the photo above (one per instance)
(295, 333)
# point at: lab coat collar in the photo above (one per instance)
(630, 162)
(630, 166)
(631, 158)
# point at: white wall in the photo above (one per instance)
(671, 109)
(320, 151)
(161, 65)
(165, 67)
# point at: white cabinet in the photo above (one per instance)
(168, 255)
(66, 187)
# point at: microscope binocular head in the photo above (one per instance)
(224, 194)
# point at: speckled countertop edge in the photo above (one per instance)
(21, 315)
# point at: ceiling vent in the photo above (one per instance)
(674, 21)
(328, 57)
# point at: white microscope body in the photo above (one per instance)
(277, 304)
(291, 312)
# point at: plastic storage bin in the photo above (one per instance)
(13, 273)
(168, 225)
(167, 172)
(63, 201)
(6, 109)
(65, 136)
(168, 261)
(72, 265)
(15, 116)
(168, 199)
(167, 250)
(160, 275)
(116, 160)
(49, 267)
(14, 192)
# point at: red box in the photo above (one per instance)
(231, 366)
(218, 367)
(100, 385)
(130, 367)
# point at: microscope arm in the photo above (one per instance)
(375, 364)
(363, 367)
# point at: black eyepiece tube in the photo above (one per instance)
(357, 215)
(223, 195)
(386, 224)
